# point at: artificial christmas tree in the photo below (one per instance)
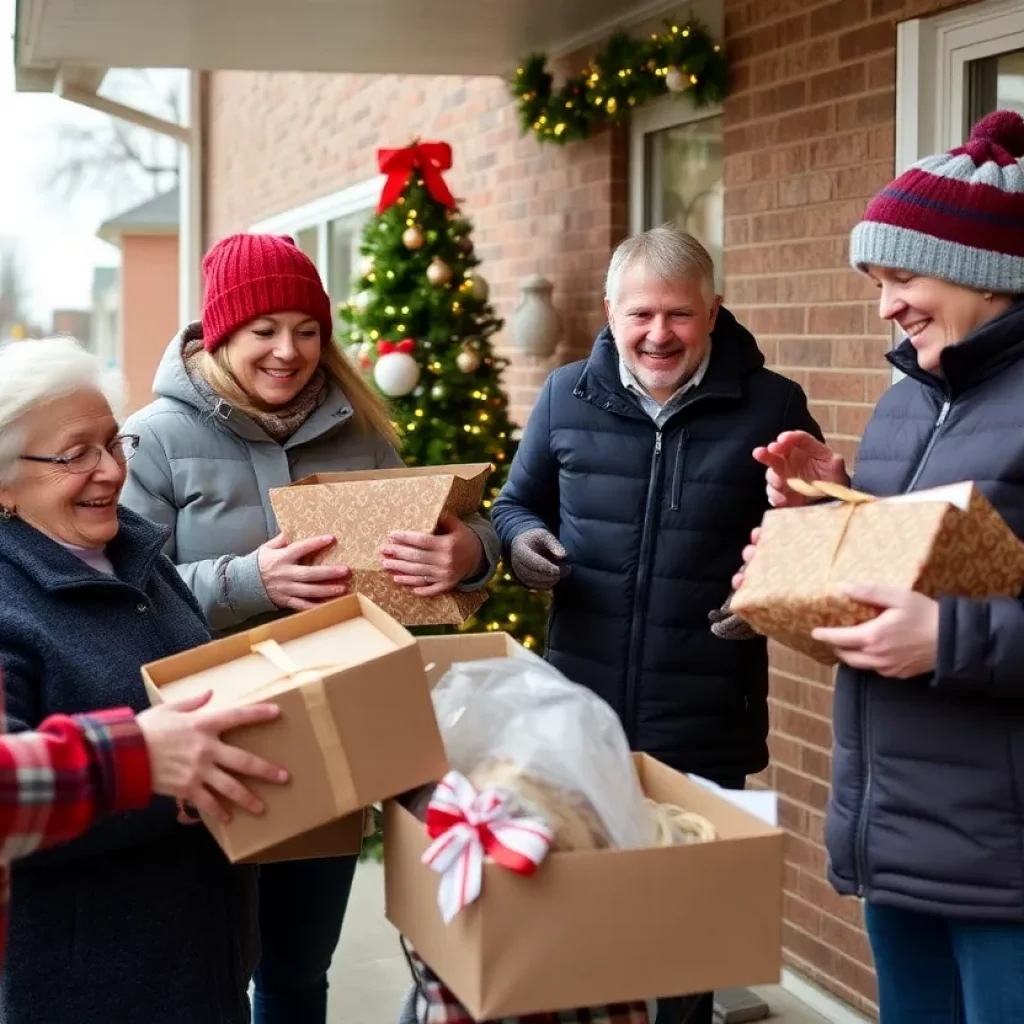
(420, 326)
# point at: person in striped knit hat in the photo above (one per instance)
(926, 818)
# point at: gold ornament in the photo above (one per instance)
(468, 361)
(439, 273)
(412, 237)
(366, 266)
(481, 289)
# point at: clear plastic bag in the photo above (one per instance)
(559, 746)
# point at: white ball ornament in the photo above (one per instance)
(396, 372)
(365, 266)
(467, 361)
(362, 301)
(675, 80)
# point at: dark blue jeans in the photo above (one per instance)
(937, 970)
(302, 906)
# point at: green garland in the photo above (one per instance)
(627, 73)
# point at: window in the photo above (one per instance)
(329, 231)
(677, 172)
(952, 69)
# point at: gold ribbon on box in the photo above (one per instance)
(851, 499)
(310, 680)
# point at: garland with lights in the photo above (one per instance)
(627, 73)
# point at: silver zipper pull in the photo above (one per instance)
(657, 443)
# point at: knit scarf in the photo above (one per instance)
(279, 423)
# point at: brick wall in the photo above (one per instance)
(275, 141)
(809, 137)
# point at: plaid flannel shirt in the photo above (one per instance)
(57, 780)
(435, 1004)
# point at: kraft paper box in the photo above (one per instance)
(439, 653)
(591, 928)
(357, 724)
(945, 541)
(362, 508)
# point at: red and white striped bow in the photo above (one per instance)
(468, 825)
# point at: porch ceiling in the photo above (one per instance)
(431, 37)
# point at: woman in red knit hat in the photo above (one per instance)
(256, 396)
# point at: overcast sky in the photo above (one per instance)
(57, 237)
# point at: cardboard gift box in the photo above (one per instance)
(944, 541)
(357, 724)
(362, 508)
(439, 653)
(591, 928)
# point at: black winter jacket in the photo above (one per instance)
(927, 809)
(654, 523)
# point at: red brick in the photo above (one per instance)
(777, 320)
(837, 386)
(839, 15)
(844, 81)
(839, 150)
(866, 353)
(803, 189)
(807, 124)
(801, 726)
(835, 319)
(804, 351)
(861, 42)
(864, 111)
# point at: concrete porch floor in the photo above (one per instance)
(369, 977)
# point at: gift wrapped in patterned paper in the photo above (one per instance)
(944, 541)
(362, 508)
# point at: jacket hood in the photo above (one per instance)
(172, 381)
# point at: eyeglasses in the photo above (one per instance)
(86, 457)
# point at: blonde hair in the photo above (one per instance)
(370, 413)
(667, 252)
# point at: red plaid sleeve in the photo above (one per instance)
(55, 781)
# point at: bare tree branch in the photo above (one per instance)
(119, 157)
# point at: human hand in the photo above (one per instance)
(748, 554)
(289, 583)
(189, 760)
(900, 643)
(795, 453)
(433, 563)
(538, 559)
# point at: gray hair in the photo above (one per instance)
(668, 253)
(35, 372)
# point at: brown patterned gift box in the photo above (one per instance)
(948, 540)
(360, 509)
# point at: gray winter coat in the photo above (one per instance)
(205, 469)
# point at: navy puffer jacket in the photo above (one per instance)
(927, 809)
(654, 522)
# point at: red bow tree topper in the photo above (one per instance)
(428, 158)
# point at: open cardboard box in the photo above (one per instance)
(612, 926)
(356, 725)
(361, 509)
(439, 653)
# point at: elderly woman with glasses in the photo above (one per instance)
(141, 918)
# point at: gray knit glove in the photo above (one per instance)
(538, 560)
(730, 627)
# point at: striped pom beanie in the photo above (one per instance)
(249, 276)
(957, 216)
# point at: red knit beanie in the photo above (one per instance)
(249, 276)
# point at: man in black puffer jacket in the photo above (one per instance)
(633, 493)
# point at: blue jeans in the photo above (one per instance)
(302, 906)
(937, 970)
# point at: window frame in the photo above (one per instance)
(658, 115)
(319, 214)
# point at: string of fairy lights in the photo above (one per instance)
(627, 73)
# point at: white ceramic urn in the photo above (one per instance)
(536, 325)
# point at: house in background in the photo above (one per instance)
(147, 303)
(828, 100)
(106, 315)
(75, 322)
